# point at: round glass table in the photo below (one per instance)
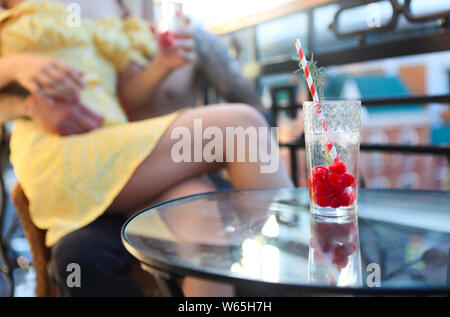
(266, 242)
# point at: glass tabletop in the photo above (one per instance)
(400, 240)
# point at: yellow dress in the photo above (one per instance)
(71, 181)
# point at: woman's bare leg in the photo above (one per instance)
(159, 171)
(159, 178)
(189, 187)
(183, 226)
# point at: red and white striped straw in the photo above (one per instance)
(308, 75)
(312, 88)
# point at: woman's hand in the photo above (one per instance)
(59, 117)
(180, 51)
(45, 75)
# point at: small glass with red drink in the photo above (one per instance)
(169, 19)
(332, 134)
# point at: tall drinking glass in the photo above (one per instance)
(332, 133)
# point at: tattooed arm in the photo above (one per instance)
(222, 70)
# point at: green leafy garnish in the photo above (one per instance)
(318, 74)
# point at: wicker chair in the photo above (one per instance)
(11, 97)
(36, 238)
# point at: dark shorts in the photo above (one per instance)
(103, 261)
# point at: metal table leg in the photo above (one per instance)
(167, 283)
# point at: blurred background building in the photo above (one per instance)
(260, 34)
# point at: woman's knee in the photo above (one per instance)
(246, 115)
(222, 115)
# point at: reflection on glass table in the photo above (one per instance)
(334, 252)
(267, 240)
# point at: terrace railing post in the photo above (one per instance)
(294, 165)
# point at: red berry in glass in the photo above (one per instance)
(348, 179)
(323, 201)
(338, 166)
(320, 173)
(332, 186)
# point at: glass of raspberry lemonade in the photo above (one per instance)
(332, 134)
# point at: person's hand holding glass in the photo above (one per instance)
(175, 35)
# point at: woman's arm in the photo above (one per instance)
(11, 108)
(12, 105)
(6, 71)
(34, 73)
(53, 102)
(138, 85)
(41, 74)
